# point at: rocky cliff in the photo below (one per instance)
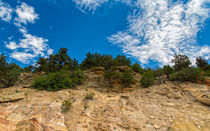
(169, 106)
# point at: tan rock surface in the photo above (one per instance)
(169, 106)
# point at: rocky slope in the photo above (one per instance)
(169, 106)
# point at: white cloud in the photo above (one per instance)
(22, 56)
(50, 51)
(159, 29)
(25, 14)
(30, 46)
(90, 5)
(12, 45)
(5, 11)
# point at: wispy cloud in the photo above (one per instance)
(90, 5)
(12, 45)
(159, 29)
(25, 14)
(5, 11)
(29, 47)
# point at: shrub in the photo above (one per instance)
(147, 79)
(167, 70)
(54, 81)
(137, 68)
(186, 74)
(127, 78)
(58, 80)
(89, 96)
(158, 72)
(66, 106)
(116, 75)
(77, 76)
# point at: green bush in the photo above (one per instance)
(137, 68)
(58, 80)
(66, 106)
(77, 76)
(186, 74)
(127, 78)
(116, 75)
(158, 72)
(167, 70)
(147, 79)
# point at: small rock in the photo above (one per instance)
(169, 104)
(152, 117)
(156, 126)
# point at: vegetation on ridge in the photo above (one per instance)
(63, 72)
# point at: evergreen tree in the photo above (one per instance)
(121, 60)
(57, 62)
(108, 65)
(127, 78)
(201, 63)
(9, 73)
(137, 68)
(75, 64)
(181, 61)
(28, 69)
(167, 70)
(88, 62)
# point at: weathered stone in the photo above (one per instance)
(31, 125)
(27, 86)
(203, 99)
(156, 126)
(97, 69)
(184, 126)
(12, 97)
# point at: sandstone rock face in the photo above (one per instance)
(98, 70)
(207, 81)
(31, 125)
(169, 106)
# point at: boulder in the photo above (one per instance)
(11, 97)
(98, 70)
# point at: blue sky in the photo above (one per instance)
(147, 31)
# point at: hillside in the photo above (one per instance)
(169, 106)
